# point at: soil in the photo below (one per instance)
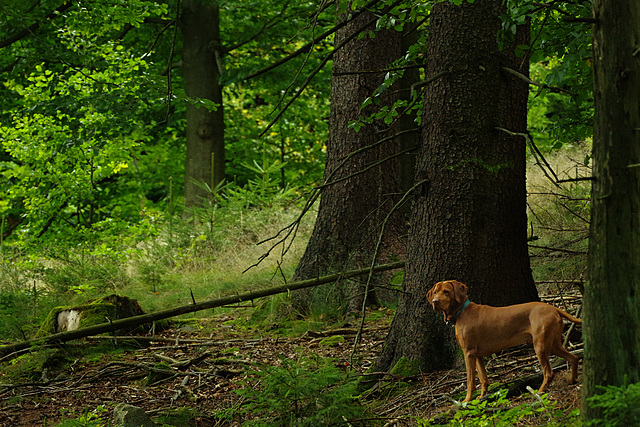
(186, 377)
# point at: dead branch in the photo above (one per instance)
(172, 312)
(329, 56)
(540, 85)
(398, 205)
(308, 46)
(568, 251)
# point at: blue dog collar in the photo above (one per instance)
(452, 321)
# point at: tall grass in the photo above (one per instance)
(210, 265)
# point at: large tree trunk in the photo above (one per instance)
(201, 56)
(353, 209)
(469, 220)
(612, 295)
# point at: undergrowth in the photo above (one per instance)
(309, 391)
(497, 411)
(619, 406)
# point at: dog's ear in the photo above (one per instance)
(459, 291)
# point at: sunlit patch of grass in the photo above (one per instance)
(221, 263)
(559, 215)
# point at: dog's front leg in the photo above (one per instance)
(470, 361)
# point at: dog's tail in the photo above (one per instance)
(569, 317)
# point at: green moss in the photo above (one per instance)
(184, 416)
(402, 375)
(93, 312)
(99, 312)
(48, 326)
(406, 367)
(332, 341)
(42, 365)
(159, 372)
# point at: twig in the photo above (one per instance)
(536, 154)
(321, 66)
(558, 250)
(580, 20)
(373, 261)
(265, 26)
(384, 70)
(571, 327)
(290, 230)
(540, 85)
(308, 46)
(585, 178)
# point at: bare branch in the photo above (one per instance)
(172, 312)
(536, 154)
(540, 85)
(265, 26)
(309, 45)
(321, 66)
(398, 205)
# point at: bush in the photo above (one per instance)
(310, 391)
(496, 412)
(619, 405)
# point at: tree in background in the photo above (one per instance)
(201, 69)
(362, 177)
(469, 218)
(612, 295)
(93, 126)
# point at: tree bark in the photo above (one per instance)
(612, 295)
(201, 62)
(469, 221)
(352, 209)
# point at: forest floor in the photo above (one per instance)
(186, 376)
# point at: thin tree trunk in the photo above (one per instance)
(612, 295)
(469, 220)
(201, 62)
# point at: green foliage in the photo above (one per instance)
(89, 418)
(619, 405)
(560, 54)
(498, 412)
(78, 116)
(16, 314)
(398, 18)
(310, 391)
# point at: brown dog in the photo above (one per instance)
(482, 330)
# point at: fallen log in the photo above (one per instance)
(172, 312)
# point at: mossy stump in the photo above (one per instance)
(92, 312)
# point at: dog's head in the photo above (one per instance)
(447, 296)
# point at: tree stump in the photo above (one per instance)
(92, 312)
